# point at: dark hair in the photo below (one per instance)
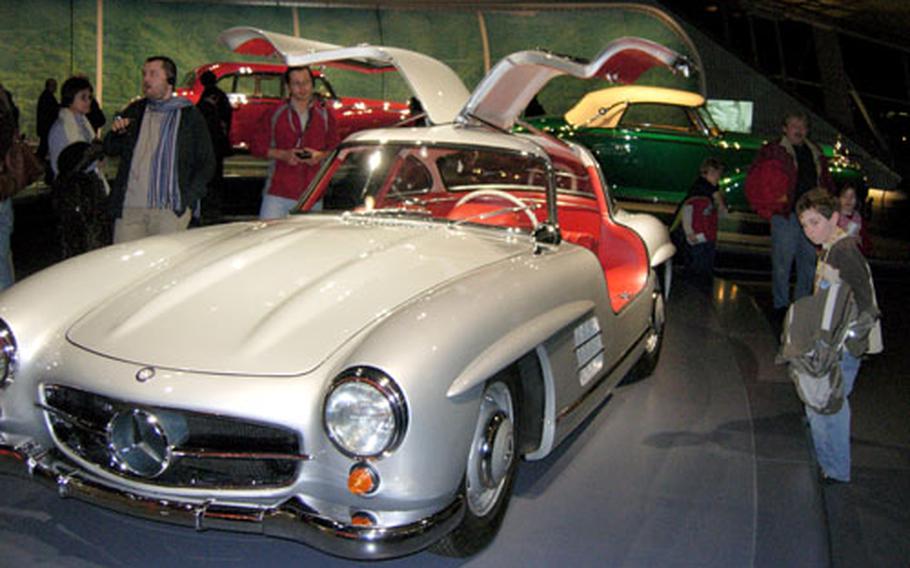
(797, 114)
(820, 200)
(710, 163)
(170, 68)
(208, 78)
(860, 191)
(845, 187)
(71, 88)
(287, 73)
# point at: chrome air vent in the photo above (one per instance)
(589, 350)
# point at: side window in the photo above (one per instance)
(412, 178)
(478, 169)
(245, 85)
(569, 180)
(226, 83)
(670, 117)
(270, 85)
(189, 80)
(322, 88)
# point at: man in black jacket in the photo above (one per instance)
(45, 116)
(166, 158)
(216, 109)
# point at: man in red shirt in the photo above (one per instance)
(296, 137)
(782, 172)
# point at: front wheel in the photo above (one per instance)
(490, 471)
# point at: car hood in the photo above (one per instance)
(278, 298)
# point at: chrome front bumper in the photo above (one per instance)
(292, 520)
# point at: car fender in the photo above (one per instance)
(517, 342)
(460, 335)
(494, 316)
(652, 232)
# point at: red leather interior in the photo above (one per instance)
(623, 255)
(475, 208)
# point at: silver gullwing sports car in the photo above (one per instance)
(363, 377)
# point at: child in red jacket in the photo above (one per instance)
(698, 216)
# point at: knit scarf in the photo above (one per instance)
(164, 190)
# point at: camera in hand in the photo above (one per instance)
(303, 154)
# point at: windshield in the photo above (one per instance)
(484, 185)
(708, 120)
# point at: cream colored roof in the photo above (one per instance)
(603, 108)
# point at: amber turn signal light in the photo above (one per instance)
(362, 480)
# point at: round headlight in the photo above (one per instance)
(8, 354)
(365, 413)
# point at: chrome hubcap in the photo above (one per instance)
(492, 450)
(496, 452)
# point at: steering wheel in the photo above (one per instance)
(525, 208)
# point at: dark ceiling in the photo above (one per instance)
(880, 21)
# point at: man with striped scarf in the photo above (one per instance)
(166, 158)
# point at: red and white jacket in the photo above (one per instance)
(281, 129)
(699, 219)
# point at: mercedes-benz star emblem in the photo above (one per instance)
(145, 374)
(138, 443)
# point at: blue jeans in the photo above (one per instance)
(789, 244)
(831, 432)
(274, 207)
(6, 255)
(701, 258)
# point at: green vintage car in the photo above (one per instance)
(650, 142)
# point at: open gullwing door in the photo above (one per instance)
(438, 88)
(508, 88)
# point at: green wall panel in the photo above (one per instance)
(57, 38)
(37, 44)
(186, 32)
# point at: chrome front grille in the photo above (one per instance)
(195, 450)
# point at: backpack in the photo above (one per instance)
(812, 342)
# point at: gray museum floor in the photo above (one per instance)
(705, 463)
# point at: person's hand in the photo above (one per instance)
(120, 124)
(316, 156)
(288, 156)
(292, 156)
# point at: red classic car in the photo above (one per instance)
(254, 88)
